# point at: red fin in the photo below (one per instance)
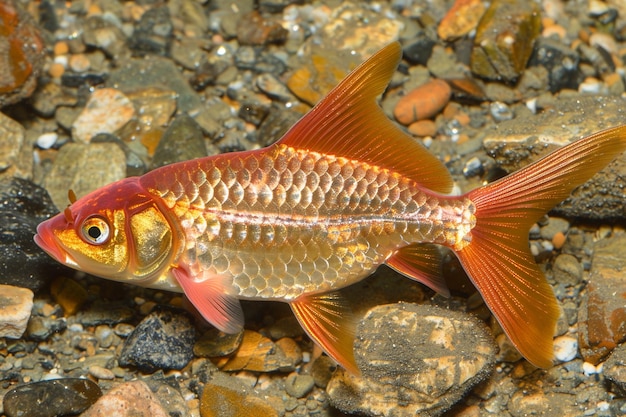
(421, 262)
(349, 123)
(209, 296)
(498, 259)
(328, 320)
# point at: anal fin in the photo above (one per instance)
(328, 320)
(421, 262)
(209, 295)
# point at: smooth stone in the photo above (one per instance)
(461, 19)
(214, 343)
(561, 62)
(163, 340)
(130, 399)
(156, 72)
(260, 354)
(298, 385)
(15, 307)
(110, 313)
(84, 168)
(15, 151)
(182, 141)
(221, 401)
(23, 205)
(107, 111)
(565, 348)
(414, 360)
(567, 270)
(423, 102)
(58, 397)
(69, 294)
(614, 368)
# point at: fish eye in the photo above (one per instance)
(95, 230)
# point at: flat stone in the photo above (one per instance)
(58, 397)
(614, 368)
(163, 340)
(602, 315)
(221, 401)
(461, 19)
(215, 343)
(182, 141)
(107, 111)
(415, 360)
(84, 168)
(260, 354)
(15, 307)
(504, 39)
(514, 145)
(130, 399)
(157, 72)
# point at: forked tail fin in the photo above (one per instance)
(498, 259)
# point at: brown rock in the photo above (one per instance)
(255, 30)
(130, 399)
(15, 306)
(69, 294)
(461, 19)
(220, 401)
(602, 316)
(504, 39)
(423, 102)
(258, 353)
(21, 53)
(423, 128)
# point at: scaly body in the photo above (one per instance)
(344, 191)
(285, 223)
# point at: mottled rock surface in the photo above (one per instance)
(130, 399)
(15, 306)
(415, 360)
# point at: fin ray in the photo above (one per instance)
(421, 262)
(210, 297)
(349, 123)
(328, 320)
(498, 259)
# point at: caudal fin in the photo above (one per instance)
(498, 259)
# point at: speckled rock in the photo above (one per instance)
(130, 399)
(415, 360)
(461, 19)
(614, 368)
(15, 306)
(23, 205)
(504, 39)
(84, 168)
(513, 146)
(182, 141)
(21, 53)
(163, 340)
(602, 315)
(59, 397)
(220, 401)
(107, 111)
(258, 353)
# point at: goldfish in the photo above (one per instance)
(344, 191)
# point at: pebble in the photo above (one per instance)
(100, 372)
(15, 307)
(182, 140)
(602, 314)
(258, 353)
(130, 399)
(47, 140)
(565, 348)
(414, 359)
(423, 102)
(163, 340)
(504, 39)
(423, 128)
(214, 343)
(298, 385)
(84, 168)
(12, 149)
(58, 397)
(220, 401)
(107, 111)
(23, 205)
(567, 270)
(69, 294)
(460, 19)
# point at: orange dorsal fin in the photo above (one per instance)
(328, 320)
(349, 123)
(421, 262)
(497, 257)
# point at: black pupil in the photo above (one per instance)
(94, 232)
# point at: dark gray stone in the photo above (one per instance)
(182, 141)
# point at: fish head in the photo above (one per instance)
(117, 232)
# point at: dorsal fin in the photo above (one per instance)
(349, 123)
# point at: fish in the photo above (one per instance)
(344, 191)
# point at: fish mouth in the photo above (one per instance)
(45, 240)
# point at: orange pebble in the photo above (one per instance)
(61, 48)
(558, 240)
(56, 70)
(423, 128)
(423, 102)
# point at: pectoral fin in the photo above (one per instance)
(328, 320)
(421, 262)
(209, 295)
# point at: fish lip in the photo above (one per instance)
(44, 238)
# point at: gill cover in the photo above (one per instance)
(151, 240)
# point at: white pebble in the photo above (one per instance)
(565, 348)
(590, 369)
(46, 140)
